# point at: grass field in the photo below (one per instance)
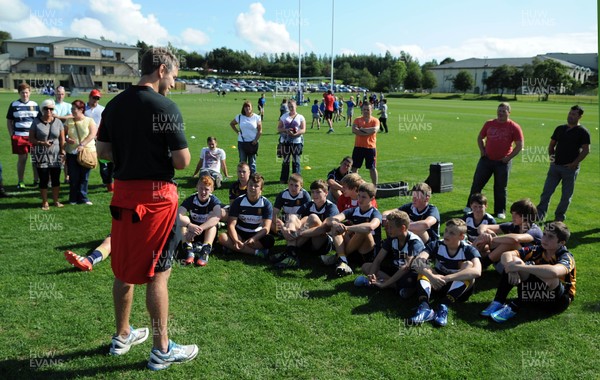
(252, 322)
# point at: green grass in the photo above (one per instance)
(253, 322)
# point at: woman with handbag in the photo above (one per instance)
(47, 139)
(249, 131)
(80, 147)
(291, 128)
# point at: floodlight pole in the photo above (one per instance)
(332, 23)
(299, 54)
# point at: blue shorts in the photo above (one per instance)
(369, 155)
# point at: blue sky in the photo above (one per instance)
(427, 30)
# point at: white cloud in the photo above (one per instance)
(194, 37)
(23, 21)
(264, 36)
(414, 50)
(346, 51)
(493, 47)
(91, 28)
(125, 19)
(13, 11)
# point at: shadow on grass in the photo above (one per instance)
(49, 367)
(583, 238)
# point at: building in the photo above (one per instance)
(78, 64)
(580, 67)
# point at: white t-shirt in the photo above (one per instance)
(211, 159)
(248, 127)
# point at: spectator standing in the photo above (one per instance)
(19, 117)
(499, 141)
(569, 145)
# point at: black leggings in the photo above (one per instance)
(49, 174)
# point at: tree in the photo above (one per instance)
(548, 77)
(429, 81)
(447, 60)
(383, 81)
(463, 81)
(501, 78)
(3, 37)
(413, 76)
(367, 80)
(345, 73)
(518, 79)
(397, 75)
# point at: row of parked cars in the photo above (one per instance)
(245, 85)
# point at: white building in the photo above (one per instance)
(75, 63)
(580, 67)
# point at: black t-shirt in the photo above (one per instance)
(143, 128)
(569, 142)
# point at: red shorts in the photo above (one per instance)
(143, 226)
(20, 144)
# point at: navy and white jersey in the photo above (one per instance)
(290, 204)
(399, 255)
(472, 226)
(22, 114)
(444, 262)
(336, 175)
(328, 209)
(354, 216)
(198, 211)
(250, 215)
(416, 216)
(534, 231)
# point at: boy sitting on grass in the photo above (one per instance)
(495, 239)
(360, 234)
(544, 275)
(349, 198)
(477, 216)
(212, 162)
(335, 177)
(237, 189)
(424, 217)
(456, 266)
(392, 265)
(249, 221)
(289, 201)
(199, 215)
(306, 229)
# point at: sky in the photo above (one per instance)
(426, 30)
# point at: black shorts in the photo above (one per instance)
(328, 114)
(534, 291)
(369, 155)
(267, 241)
(324, 249)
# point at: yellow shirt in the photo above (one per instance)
(83, 127)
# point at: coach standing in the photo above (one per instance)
(569, 145)
(495, 141)
(142, 132)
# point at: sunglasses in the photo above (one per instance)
(48, 109)
(96, 97)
